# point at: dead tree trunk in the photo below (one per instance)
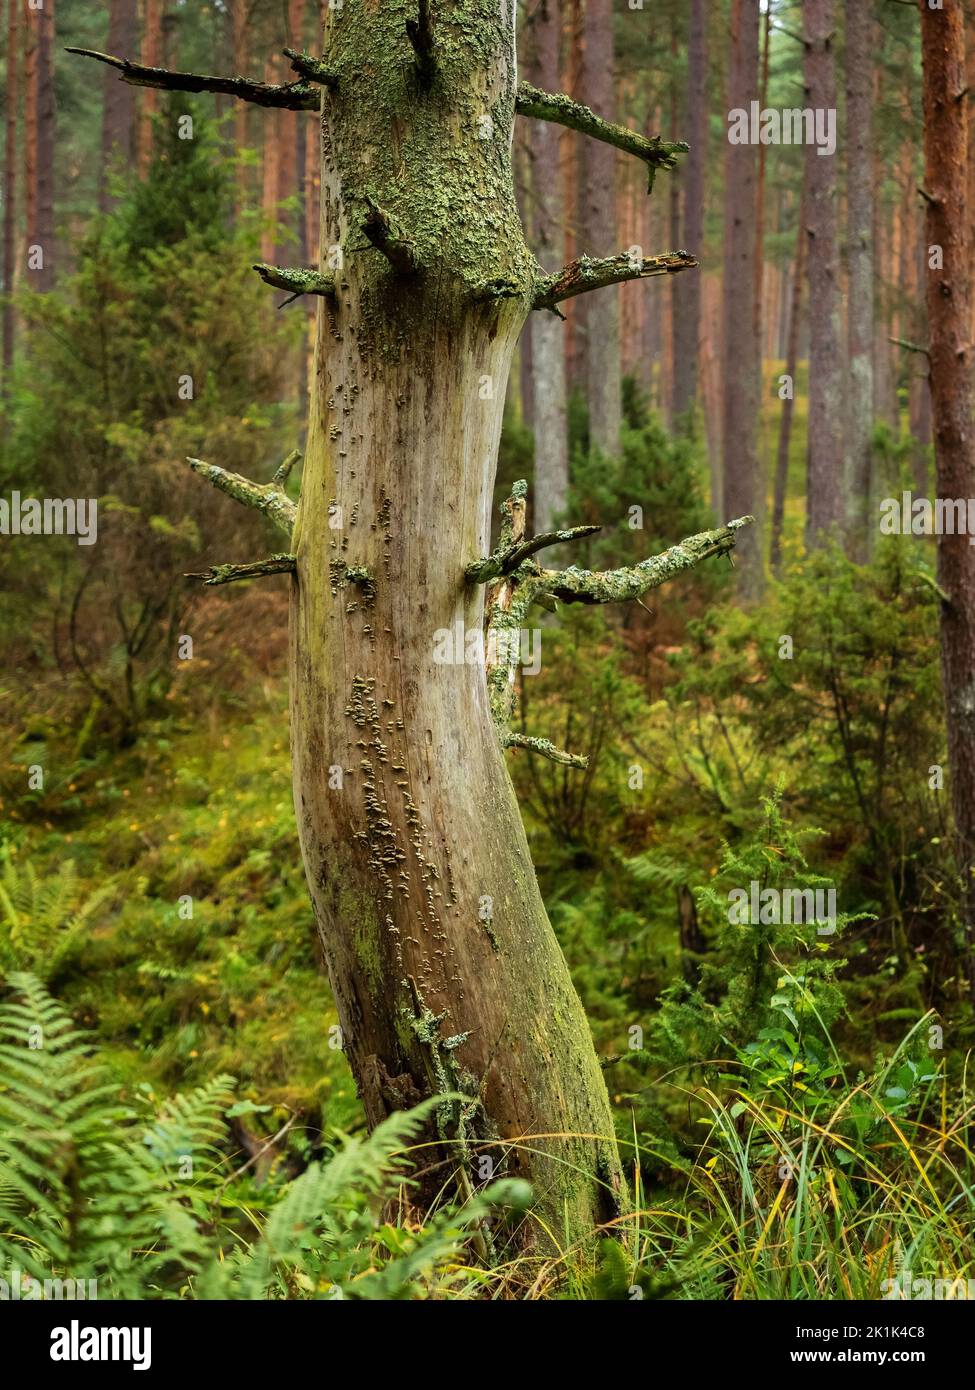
(950, 355)
(446, 973)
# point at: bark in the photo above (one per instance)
(824, 488)
(152, 51)
(31, 20)
(788, 405)
(548, 339)
(949, 300)
(860, 324)
(742, 484)
(602, 314)
(687, 305)
(10, 194)
(118, 111)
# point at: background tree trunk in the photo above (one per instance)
(152, 56)
(859, 212)
(742, 490)
(788, 405)
(824, 488)
(10, 195)
(118, 111)
(445, 970)
(548, 338)
(949, 295)
(600, 234)
(687, 306)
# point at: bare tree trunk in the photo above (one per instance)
(742, 369)
(118, 111)
(824, 490)
(10, 195)
(547, 336)
(687, 307)
(949, 296)
(152, 49)
(602, 313)
(860, 327)
(31, 40)
(788, 404)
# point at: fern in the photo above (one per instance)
(44, 922)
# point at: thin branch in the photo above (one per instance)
(296, 280)
(617, 586)
(585, 274)
(292, 96)
(507, 559)
(283, 470)
(227, 574)
(266, 497)
(555, 106)
(909, 346)
(420, 33)
(546, 748)
(389, 238)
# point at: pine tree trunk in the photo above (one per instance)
(416, 857)
(118, 112)
(824, 489)
(687, 307)
(788, 405)
(152, 48)
(859, 204)
(742, 376)
(602, 312)
(10, 194)
(949, 298)
(548, 338)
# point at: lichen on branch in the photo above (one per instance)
(512, 591)
(295, 280)
(256, 569)
(556, 106)
(265, 497)
(589, 273)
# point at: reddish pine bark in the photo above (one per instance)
(10, 193)
(859, 203)
(949, 299)
(152, 54)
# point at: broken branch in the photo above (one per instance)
(555, 106)
(296, 280)
(292, 96)
(266, 497)
(546, 748)
(312, 68)
(389, 238)
(420, 33)
(227, 574)
(585, 274)
(506, 560)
